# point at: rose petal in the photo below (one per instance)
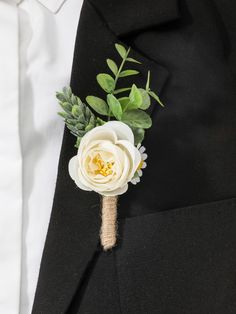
(122, 130)
(74, 173)
(98, 133)
(73, 167)
(134, 153)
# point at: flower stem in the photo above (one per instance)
(109, 222)
(116, 79)
(120, 68)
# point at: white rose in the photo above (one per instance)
(106, 160)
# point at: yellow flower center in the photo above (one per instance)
(103, 167)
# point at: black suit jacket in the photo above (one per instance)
(176, 252)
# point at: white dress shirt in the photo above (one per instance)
(36, 51)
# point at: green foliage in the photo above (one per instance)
(98, 104)
(151, 93)
(135, 97)
(112, 66)
(137, 119)
(115, 106)
(121, 90)
(133, 60)
(139, 134)
(124, 101)
(77, 116)
(100, 121)
(148, 82)
(146, 101)
(128, 73)
(106, 82)
(156, 97)
(121, 50)
(129, 107)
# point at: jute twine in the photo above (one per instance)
(109, 222)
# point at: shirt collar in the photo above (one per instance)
(52, 5)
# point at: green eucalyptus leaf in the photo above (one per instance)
(156, 97)
(121, 50)
(121, 90)
(124, 101)
(135, 97)
(128, 73)
(131, 106)
(115, 106)
(138, 135)
(98, 104)
(133, 60)
(137, 119)
(112, 66)
(146, 99)
(106, 82)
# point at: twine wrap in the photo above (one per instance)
(109, 222)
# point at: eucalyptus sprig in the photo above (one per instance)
(128, 108)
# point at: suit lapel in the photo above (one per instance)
(73, 233)
(128, 17)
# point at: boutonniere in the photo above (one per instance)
(109, 133)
